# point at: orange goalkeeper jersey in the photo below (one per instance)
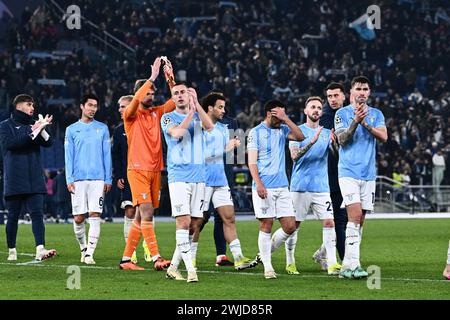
(142, 127)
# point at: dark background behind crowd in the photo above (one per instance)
(251, 50)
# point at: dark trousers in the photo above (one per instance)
(219, 237)
(34, 205)
(340, 222)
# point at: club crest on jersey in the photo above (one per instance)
(97, 130)
(178, 207)
(144, 195)
(372, 119)
(250, 139)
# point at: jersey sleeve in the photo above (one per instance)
(294, 144)
(340, 121)
(285, 129)
(68, 156)
(167, 122)
(107, 155)
(379, 121)
(252, 143)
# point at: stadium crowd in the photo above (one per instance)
(252, 51)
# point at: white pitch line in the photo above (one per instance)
(37, 264)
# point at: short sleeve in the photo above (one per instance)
(340, 121)
(294, 144)
(286, 130)
(166, 122)
(252, 143)
(379, 121)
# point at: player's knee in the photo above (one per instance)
(328, 223)
(229, 220)
(266, 225)
(289, 228)
(130, 212)
(78, 219)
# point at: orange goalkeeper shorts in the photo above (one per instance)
(145, 186)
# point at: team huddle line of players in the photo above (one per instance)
(196, 142)
(333, 174)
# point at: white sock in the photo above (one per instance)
(236, 250)
(329, 242)
(448, 253)
(264, 246)
(352, 242)
(93, 235)
(39, 248)
(194, 246)
(278, 238)
(184, 247)
(80, 233)
(127, 222)
(290, 245)
(176, 258)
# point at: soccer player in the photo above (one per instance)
(335, 98)
(309, 184)
(270, 194)
(358, 126)
(217, 142)
(446, 272)
(87, 150)
(21, 138)
(186, 172)
(145, 162)
(120, 154)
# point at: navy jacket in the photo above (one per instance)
(119, 152)
(22, 165)
(327, 121)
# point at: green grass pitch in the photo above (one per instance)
(411, 255)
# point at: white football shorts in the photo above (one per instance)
(278, 204)
(88, 196)
(318, 202)
(220, 197)
(187, 198)
(358, 191)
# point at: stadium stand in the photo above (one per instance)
(252, 51)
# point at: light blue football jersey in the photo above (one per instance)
(357, 158)
(270, 144)
(310, 172)
(215, 143)
(87, 152)
(185, 156)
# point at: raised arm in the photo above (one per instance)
(296, 133)
(345, 135)
(131, 109)
(297, 153)
(178, 131)
(380, 133)
(207, 123)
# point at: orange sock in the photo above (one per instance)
(134, 236)
(150, 237)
